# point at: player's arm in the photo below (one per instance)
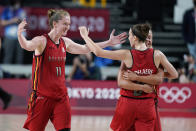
(129, 85)
(30, 45)
(153, 79)
(171, 72)
(115, 55)
(76, 48)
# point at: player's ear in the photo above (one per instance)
(54, 23)
(135, 38)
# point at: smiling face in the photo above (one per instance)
(63, 25)
(149, 39)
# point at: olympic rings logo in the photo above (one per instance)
(174, 94)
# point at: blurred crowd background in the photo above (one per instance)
(171, 34)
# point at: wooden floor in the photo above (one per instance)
(9, 122)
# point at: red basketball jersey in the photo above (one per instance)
(143, 64)
(48, 70)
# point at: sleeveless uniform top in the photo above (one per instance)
(143, 64)
(48, 70)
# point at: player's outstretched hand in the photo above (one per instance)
(83, 31)
(21, 26)
(118, 39)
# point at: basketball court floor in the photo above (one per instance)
(14, 122)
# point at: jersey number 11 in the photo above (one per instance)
(58, 71)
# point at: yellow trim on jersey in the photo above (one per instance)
(35, 74)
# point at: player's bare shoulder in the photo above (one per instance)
(158, 53)
(157, 57)
(128, 60)
(41, 43)
(39, 39)
(67, 41)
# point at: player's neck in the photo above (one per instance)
(54, 36)
(140, 46)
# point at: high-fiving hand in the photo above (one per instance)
(21, 26)
(83, 31)
(119, 39)
(114, 40)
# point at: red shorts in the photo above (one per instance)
(45, 109)
(134, 114)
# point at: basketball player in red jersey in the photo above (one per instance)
(125, 77)
(135, 108)
(49, 99)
